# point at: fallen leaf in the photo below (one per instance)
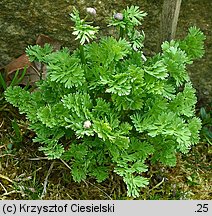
(33, 69)
(18, 64)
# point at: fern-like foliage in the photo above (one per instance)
(37, 53)
(106, 107)
(193, 43)
(82, 29)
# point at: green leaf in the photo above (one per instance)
(65, 68)
(175, 61)
(53, 116)
(134, 183)
(103, 130)
(193, 44)
(203, 113)
(53, 150)
(79, 172)
(184, 102)
(132, 16)
(82, 29)
(76, 151)
(165, 151)
(194, 125)
(120, 85)
(101, 173)
(38, 53)
(3, 81)
(158, 70)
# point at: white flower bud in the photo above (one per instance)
(91, 11)
(118, 16)
(87, 124)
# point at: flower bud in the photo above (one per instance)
(91, 11)
(87, 124)
(118, 16)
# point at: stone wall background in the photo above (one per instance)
(21, 22)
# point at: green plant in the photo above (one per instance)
(106, 107)
(18, 77)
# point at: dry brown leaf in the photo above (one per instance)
(33, 69)
(17, 64)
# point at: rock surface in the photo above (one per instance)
(21, 22)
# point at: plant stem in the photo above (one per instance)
(121, 32)
(82, 55)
